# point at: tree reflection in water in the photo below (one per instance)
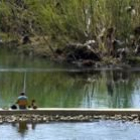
(96, 89)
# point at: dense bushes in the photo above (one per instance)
(69, 20)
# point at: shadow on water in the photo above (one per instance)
(23, 127)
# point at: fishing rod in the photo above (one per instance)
(24, 83)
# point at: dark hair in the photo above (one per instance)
(22, 93)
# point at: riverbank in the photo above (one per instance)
(89, 54)
(79, 33)
(77, 55)
(69, 115)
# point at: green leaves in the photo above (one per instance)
(74, 19)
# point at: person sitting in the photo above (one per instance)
(33, 104)
(22, 101)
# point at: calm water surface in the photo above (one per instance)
(102, 130)
(57, 85)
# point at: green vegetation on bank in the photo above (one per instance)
(60, 22)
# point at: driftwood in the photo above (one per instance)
(77, 51)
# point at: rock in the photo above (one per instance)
(57, 117)
(130, 118)
(80, 118)
(96, 117)
(136, 120)
(1, 121)
(134, 116)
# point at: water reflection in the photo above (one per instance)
(53, 85)
(100, 130)
(117, 89)
(23, 127)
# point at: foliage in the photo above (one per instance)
(68, 20)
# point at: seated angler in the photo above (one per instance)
(22, 101)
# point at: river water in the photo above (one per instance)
(57, 85)
(102, 130)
